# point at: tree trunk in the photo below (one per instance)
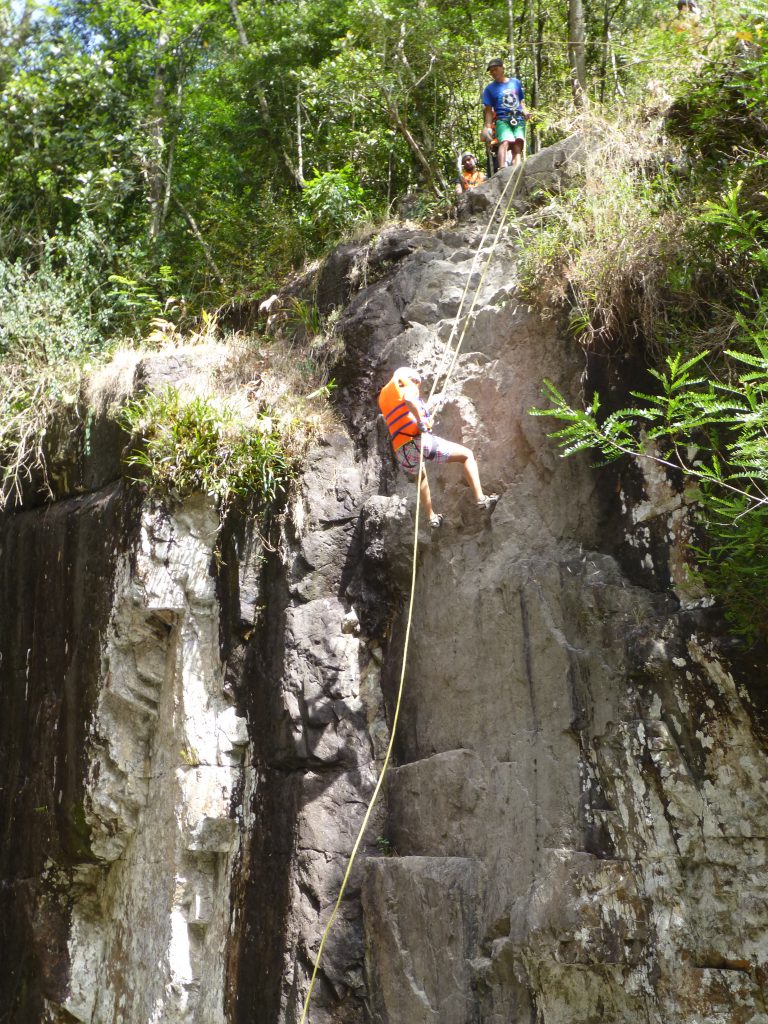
(604, 53)
(299, 139)
(238, 23)
(399, 124)
(193, 227)
(533, 95)
(511, 34)
(155, 169)
(576, 51)
(614, 68)
(541, 21)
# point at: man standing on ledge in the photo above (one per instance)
(504, 98)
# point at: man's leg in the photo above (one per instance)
(518, 144)
(437, 449)
(424, 494)
(447, 451)
(517, 152)
(469, 465)
(502, 154)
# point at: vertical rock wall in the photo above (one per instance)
(164, 756)
(192, 722)
(58, 566)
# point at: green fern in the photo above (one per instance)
(716, 435)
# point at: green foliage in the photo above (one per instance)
(332, 203)
(63, 302)
(229, 140)
(735, 564)
(57, 311)
(196, 444)
(304, 316)
(385, 847)
(716, 435)
(52, 308)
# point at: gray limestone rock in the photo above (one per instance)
(551, 170)
(190, 737)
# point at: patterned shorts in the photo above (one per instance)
(435, 450)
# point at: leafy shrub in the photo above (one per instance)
(332, 203)
(716, 435)
(188, 444)
(59, 312)
(52, 308)
(65, 303)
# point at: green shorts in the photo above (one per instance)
(507, 131)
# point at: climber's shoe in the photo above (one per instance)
(436, 520)
(488, 503)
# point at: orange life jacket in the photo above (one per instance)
(470, 179)
(403, 425)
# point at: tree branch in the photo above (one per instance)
(203, 244)
(238, 23)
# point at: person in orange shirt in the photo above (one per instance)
(470, 175)
(410, 427)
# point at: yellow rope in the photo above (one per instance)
(387, 756)
(475, 258)
(409, 620)
(517, 178)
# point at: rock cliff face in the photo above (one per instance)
(192, 726)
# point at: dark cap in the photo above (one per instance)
(497, 62)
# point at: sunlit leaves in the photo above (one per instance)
(185, 444)
(714, 433)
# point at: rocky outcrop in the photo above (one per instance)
(193, 718)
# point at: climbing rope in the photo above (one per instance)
(387, 755)
(516, 178)
(409, 619)
(447, 347)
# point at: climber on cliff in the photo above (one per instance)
(504, 98)
(410, 426)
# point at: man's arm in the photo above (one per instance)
(523, 106)
(419, 411)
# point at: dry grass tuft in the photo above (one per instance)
(598, 255)
(249, 379)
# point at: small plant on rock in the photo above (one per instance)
(385, 847)
(185, 444)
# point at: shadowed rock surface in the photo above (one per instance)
(574, 827)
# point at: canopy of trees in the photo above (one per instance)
(199, 151)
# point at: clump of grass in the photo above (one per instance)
(236, 430)
(598, 257)
(192, 443)
(33, 400)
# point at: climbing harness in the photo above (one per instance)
(409, 619)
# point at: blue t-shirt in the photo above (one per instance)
(505, 98)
